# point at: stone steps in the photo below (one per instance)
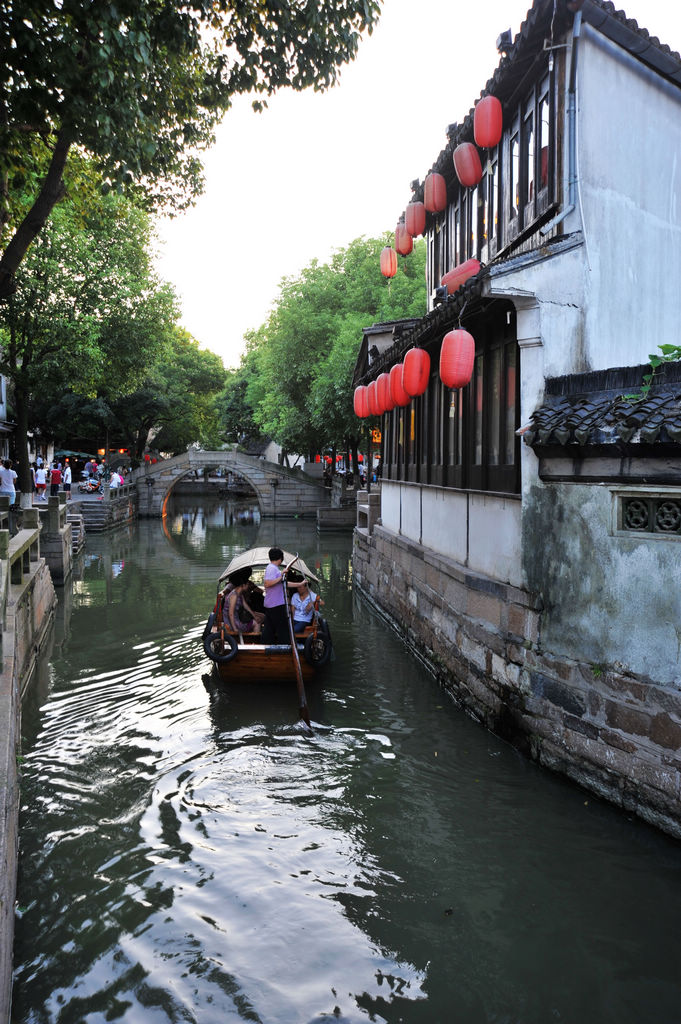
(77, 521)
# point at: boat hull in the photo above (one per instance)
(257, 663)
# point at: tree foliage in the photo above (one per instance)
(91, 313)
(236, 417)
(297, 373)
(176, 402)
(141, 85)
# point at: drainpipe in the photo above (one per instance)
(572, 130)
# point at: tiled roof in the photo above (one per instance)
(621, 415)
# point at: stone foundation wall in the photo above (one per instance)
(29, 613)
(616, 734)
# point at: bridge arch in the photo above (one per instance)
(280, 492)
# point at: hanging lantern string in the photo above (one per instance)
(461, 312)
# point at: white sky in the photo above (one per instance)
(315, 171)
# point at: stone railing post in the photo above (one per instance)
(4, 511)
(53, 513)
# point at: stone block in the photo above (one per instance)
(475, 653)
(615, 739)
(558, 693)
(665, 732)
(587, 729)
(505, 672)
(627, 719)
(456, 596)
(485, 607)
(623, 686)
(658, 777)
(664, 699)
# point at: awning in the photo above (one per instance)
(67, 454)
(255, 557)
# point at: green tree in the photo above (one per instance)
(304, 355)
(235, 410)
(91, 314)
(140, 85)
(177, 399)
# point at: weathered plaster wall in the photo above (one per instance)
(629, 167)
(610, 730)
(607, 599)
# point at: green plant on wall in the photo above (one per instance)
(670, 354)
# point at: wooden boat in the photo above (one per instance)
(243, 657)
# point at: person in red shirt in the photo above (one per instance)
(55, 479)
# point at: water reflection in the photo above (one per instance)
(189, 855)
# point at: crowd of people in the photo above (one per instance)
(57, 476)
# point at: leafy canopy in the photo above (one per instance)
(141, 85)
(295, 381)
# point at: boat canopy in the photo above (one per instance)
(255, 557)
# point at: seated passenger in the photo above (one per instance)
(239, 616)
(303, 602)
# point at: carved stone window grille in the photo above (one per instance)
(643, 514)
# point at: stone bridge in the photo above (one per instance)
(280, 492)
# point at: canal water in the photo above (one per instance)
(188, 854)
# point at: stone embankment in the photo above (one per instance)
(613, 733)
(27, 603)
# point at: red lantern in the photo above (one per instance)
(398, 396)
(467, 164)
(457, 356)
(153, 461)
(415, 219)
(388, 262)
(361, 402)
(435, 193)
(416, 371)
(383, 389)
(453, 279)
(404, 243)
(372, 394)
(487, 123)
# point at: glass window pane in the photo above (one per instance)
(451, 400)
(513, 176)
(510, 426)
(543, 142)
(459, 430)
(477, 427)
(473, 233)
(495, 405)
(435, 391)
(492, 212)
(529, 157)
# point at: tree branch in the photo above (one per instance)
(51, 192)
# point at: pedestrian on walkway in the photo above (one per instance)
(67, 480)
(55, 480)
(40, 482)
(7, 478)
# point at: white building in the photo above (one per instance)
(541, 578)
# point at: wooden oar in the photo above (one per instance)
(302, 699)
